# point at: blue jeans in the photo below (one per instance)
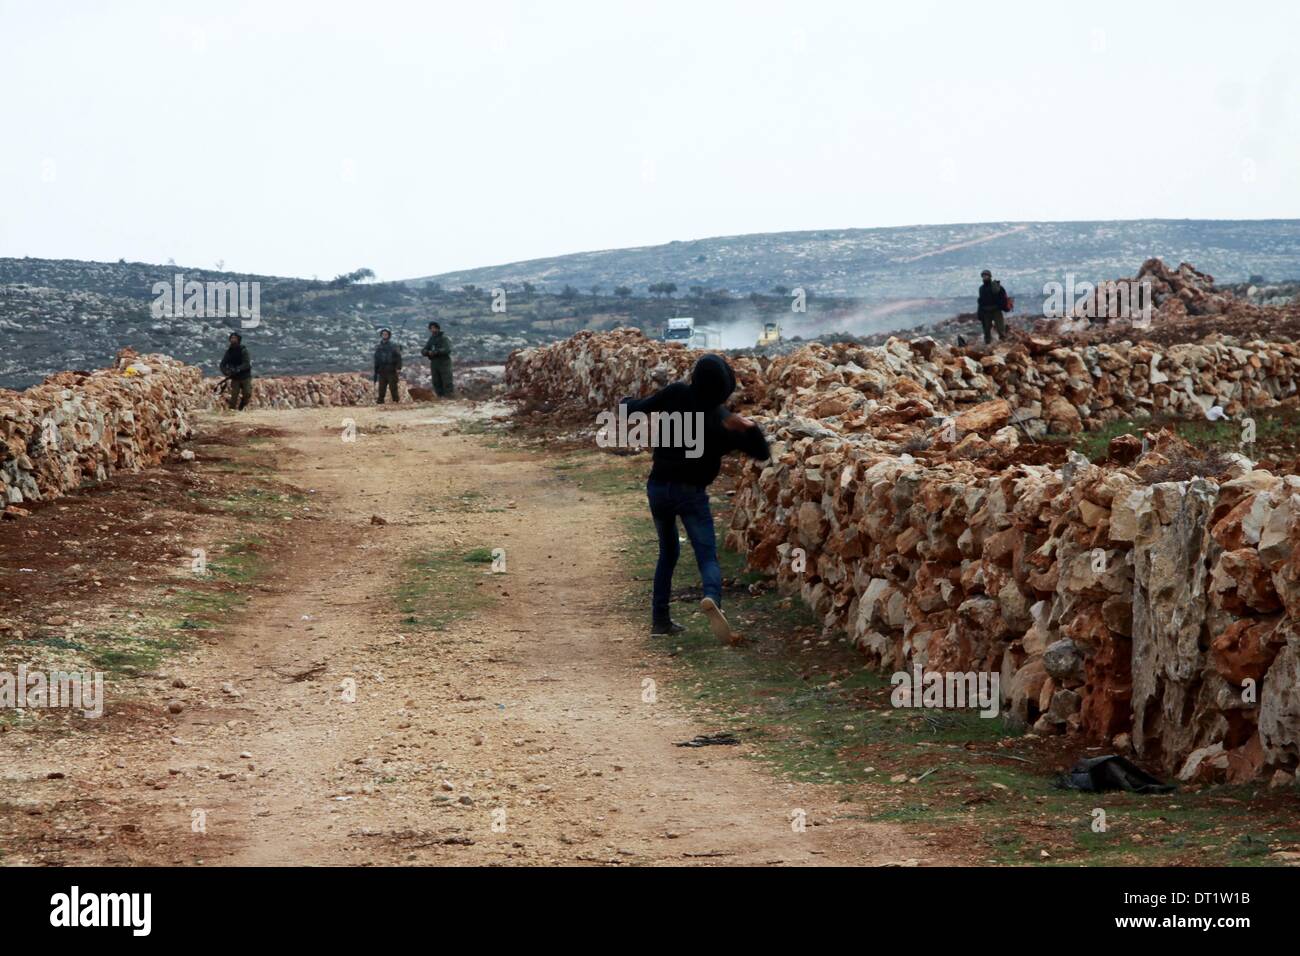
(668, 502)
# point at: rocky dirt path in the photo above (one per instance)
(323, 728)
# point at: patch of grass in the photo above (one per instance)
(441, 587)
(14, 720)
(239, 562)
(132, 654)
(1277, 432)
(604, 474)
(134, 647)
(264, 503)
(203, 609)
(477, 426)
(216, 596)
(209, 603)
(59, 643)
(489, 433)
(1095, 445)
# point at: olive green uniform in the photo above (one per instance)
(237, 366)
(388, 362)
(438, 351)
(241, 393)
(991, 300)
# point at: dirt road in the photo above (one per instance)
(324, 727)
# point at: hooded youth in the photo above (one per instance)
(712, 383)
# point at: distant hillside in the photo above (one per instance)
(918, 261)
(58, 314)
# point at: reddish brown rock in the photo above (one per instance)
(1244, 651)
(984, 418)
(1125, 449)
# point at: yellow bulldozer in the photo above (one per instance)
(771, 334)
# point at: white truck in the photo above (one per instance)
(693, 336)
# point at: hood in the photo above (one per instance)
(712, 380)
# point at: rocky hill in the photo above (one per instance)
(880, 265)
(65, 314)
(68, 314)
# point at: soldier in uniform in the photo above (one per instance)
(237, 366)
(388, 362)
(438, 351)
(992, 302)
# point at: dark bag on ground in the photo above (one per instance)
(1112, 772)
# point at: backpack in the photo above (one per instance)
(1007, 303)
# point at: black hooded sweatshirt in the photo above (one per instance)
(712, 382)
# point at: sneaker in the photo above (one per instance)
(717, 621)
(667, 629)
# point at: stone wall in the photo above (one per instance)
(591, 371)
(76, 428)
(303, 391)
(902, 502)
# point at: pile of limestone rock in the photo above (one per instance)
(78, 427)
(1112, 603)
(908, 390)
(1156, 294)
(1184, 291)
(592, 370)
(303, 391)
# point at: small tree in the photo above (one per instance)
(622, 291)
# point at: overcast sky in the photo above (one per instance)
(316, 137)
